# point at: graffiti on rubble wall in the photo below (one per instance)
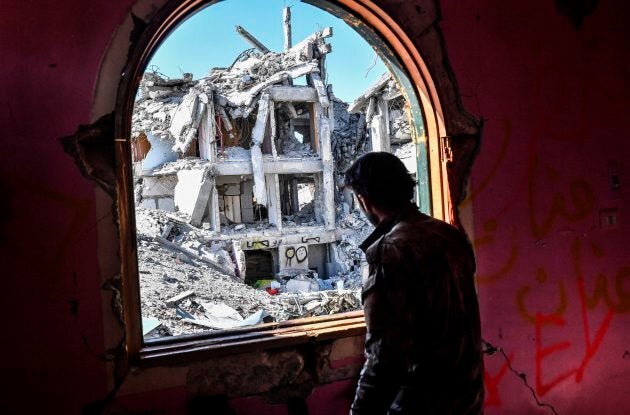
(295, 256)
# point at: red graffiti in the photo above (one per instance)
(542, 352)
(492, 384)
(591, 346)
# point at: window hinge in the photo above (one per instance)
(447, 151)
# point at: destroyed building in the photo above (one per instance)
(547, 210)
(384, 111)
(240, 169)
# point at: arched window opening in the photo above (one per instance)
(230, 180)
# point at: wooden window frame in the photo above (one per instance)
(376, 27)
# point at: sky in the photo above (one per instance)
(208, 39)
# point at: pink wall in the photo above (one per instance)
(52, 348)
(554, 286)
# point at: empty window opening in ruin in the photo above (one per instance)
(237, 166)
(298, 201)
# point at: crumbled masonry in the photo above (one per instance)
(240, 217)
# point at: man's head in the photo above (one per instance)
(381, 182)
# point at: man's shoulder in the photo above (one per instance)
(402, 233)
(418, 232)
(420, 228)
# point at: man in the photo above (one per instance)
(423, 343)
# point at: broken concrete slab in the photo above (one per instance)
(302, 284)
(204, 258)
(256, 153)
(184, 115)
(295, 93)
(192, 193)
(171, 302)
(160, 152)
(321, 90)
(149, 324)
(360, 102)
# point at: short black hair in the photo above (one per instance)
(382, 178)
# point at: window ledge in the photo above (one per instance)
(180, 349)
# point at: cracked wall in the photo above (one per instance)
(550, 171)
(544, 180)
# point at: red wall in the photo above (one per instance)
(52, 348)
(554, 286)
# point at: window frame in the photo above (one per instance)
(270, 335)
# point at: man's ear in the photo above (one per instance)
(364, 203)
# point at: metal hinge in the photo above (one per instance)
(447, 151)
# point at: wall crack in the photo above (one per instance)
(490, 349)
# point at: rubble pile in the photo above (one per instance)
(292, 148)
(173, 109)
(186, 163)
(354, 228)
(404, 151)
(306, 216)
(159, 98)
(238, 203)
(234, 228)
(399, 126)
(165, 274)
(300, 305)
(188, 283)
(348, 137)
(235, 153)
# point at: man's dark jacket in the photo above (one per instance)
(423, 343)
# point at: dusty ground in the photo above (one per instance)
(166, 273)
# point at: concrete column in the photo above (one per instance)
(207, 133)
(286, 19)
(273, 200)
(378, 137)
(328, 185)
(295, 202)
(213, 204)
(383, 109)
(247, 205)
(318, 201)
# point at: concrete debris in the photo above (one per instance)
(260, 189)
(348, 136)
(405, 151)
(235, 153)
(252, 40)
(219, 264)
(302, 284)
(300, 305)
(173, 108)
(221, 316)
(292, 148)
(174, 300)
(192, 193)
(399, 126)
(239, 211)
(187, 163)
(305, 216)
(149, 324)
